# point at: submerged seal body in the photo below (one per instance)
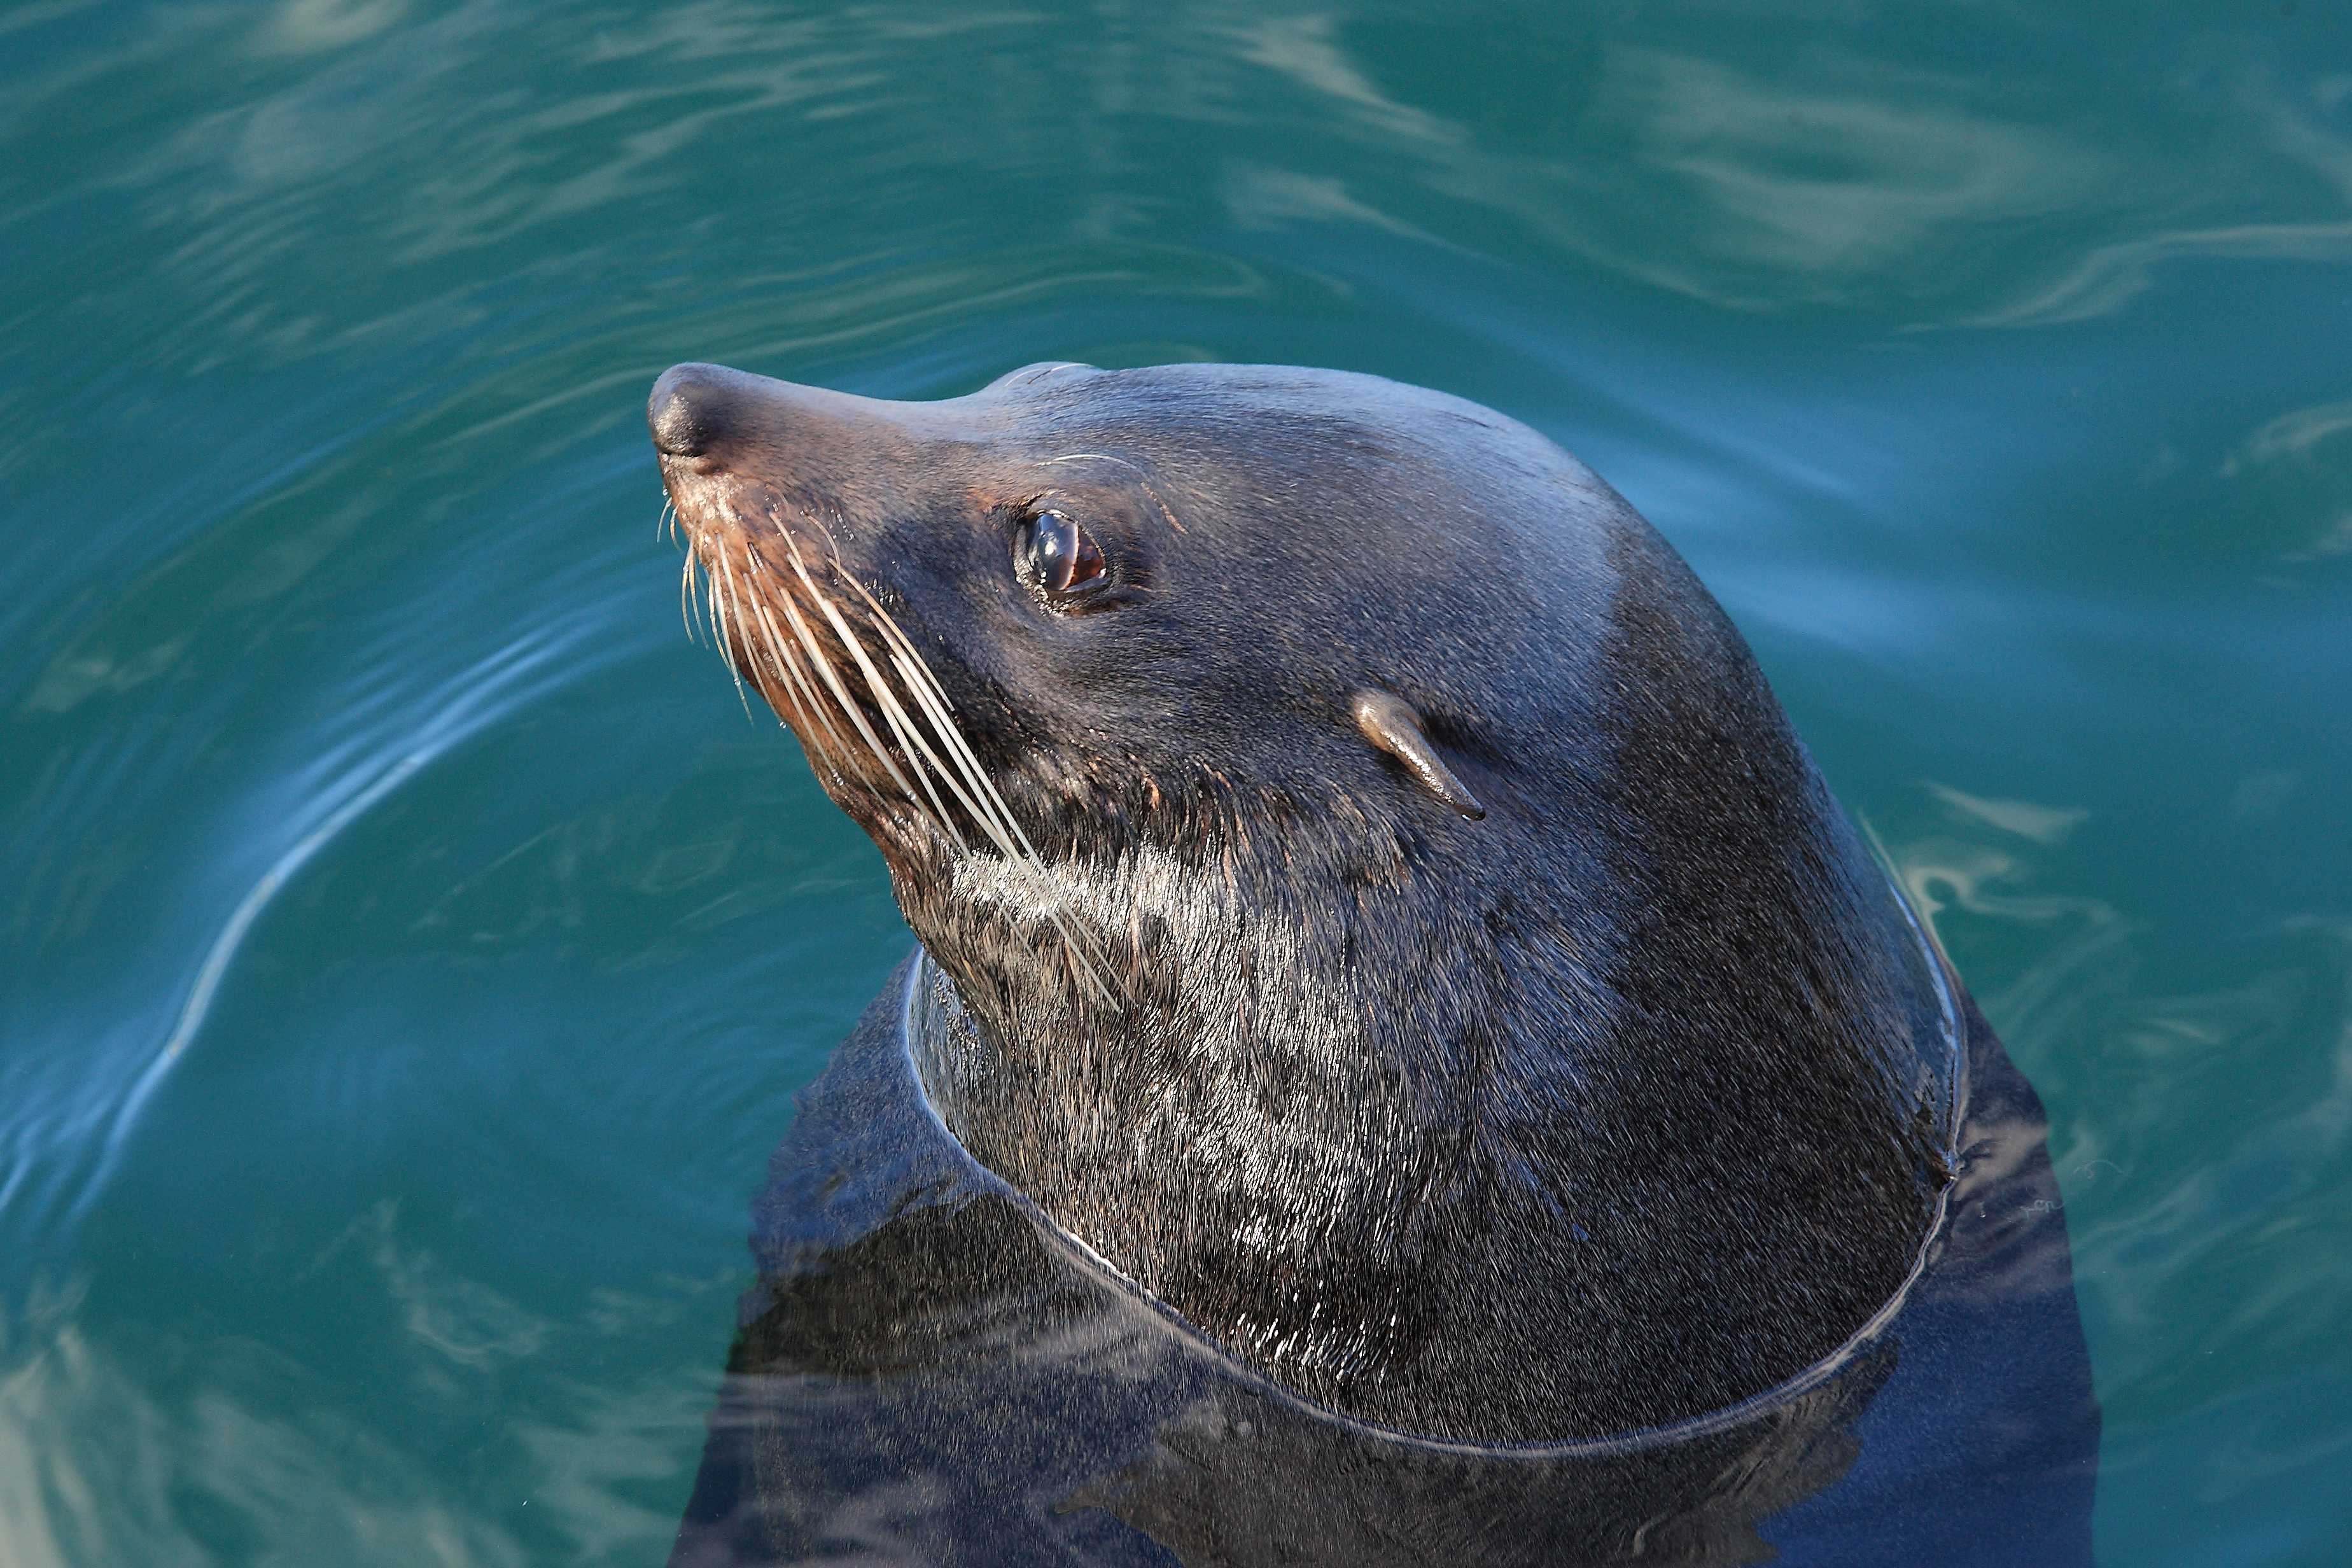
(1378, 908)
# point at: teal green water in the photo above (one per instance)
(408, 949)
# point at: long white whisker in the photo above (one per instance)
(968, 763)
(940, 814)
(710, 600)
(897, 639)
(833, 679)
(902, 728)
(924, 686)
(770, 677)
(911, 743)
(920, 678)
(717, 610)
(733, 615)
(805, 699)
(874, 681)
(704, 584)
(982, 801)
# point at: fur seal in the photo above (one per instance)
(1379, 909)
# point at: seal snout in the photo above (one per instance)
(692, 407)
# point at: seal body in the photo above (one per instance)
(929, 1371)
(1379, 909)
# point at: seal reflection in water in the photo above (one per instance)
(1406, 1062)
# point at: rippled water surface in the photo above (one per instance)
(408, 949)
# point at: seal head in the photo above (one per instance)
(1378, 906)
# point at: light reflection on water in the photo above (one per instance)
(1988, 367)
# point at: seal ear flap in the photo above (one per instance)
(1389, 722)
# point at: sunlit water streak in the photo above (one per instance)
(350, 789)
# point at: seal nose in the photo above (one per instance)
(689, 409)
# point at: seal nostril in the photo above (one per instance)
(686, 410)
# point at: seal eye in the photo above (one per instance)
(1059, 556)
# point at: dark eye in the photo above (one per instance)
(1057, 554)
